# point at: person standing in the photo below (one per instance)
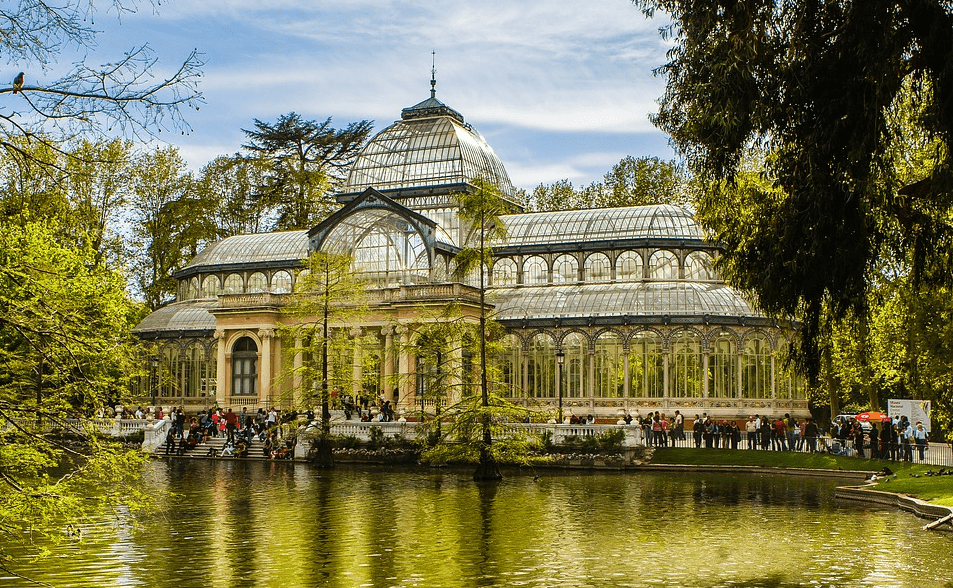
(679, 428)
(811, 433)
(873, 434)
(920, 438)
(751, 432)
(231, 423)
(698, 428)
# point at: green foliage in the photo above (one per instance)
(306, 160)
(634, 181)
(232, 182)
(814, 85)
(606, 442)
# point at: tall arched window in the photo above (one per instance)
(663, 265)
(193, 288)
(610, 366)
(628, 267)
(576, 365)
(244, 367)
(646, 366)
(723, 367)
(504, 272)
(565, 269)
(535, 271)
(169, 384)
(541, 367)
(211, 286)
(234, 284)
(598, 268)
(685, 365)
(756, 367)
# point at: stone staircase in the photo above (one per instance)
(214, 447)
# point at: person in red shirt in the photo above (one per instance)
(231, 423)
(780, 433)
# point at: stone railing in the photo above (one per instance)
(259, 299)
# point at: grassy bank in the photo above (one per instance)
(938, 489)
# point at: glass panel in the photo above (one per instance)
(756, 367)
(211, 287)
(576, 365)
(234, 284)
(598, 269)
(610, 366)
(698, 266)
(723, 368)
(281, 282)
(541, 367)
(504, 272)
(685, 365)
(565, 270)
(535, 271)
(646, 366)
(257, 282)
(663, 265)
(628, 267)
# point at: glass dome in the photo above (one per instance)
(430, 146)
(659, 221)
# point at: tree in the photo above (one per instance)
(812, 84)
(129, 96)
(480, 209)
(308, 160)
(171, 222)
(329, 300)
(64, 351)
(232, 181)
(641, 181)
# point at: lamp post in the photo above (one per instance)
(560, 359)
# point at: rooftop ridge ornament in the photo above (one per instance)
(433, 74)
(431, 107)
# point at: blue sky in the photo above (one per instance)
(559, 88)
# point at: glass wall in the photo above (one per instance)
(565, 270)
(535, 271)
(510, 367)
(685, 365)
(663, 265)
(628, 267)
(575, 366)
(504, 272)
(597, 268)
(211, 286)
(245, 367)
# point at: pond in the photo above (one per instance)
(263, 524)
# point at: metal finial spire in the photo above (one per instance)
(433, 74)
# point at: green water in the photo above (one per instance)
(276, 524)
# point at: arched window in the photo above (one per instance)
(234, 284)
(169, 384)
(610, 366)
(723, 367)
(535, 271)
(756, 367)
(541, 363)
(281, 282)
(663, 265)
(646, 366)
(628, 267)
(244, 367)
(598, 268)
(685, 365)
(698, 266)
(565, 270)
(211, 286)
(576, 366)
(257, 283)
(504, 272)
(198, 372)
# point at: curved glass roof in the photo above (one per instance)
(657, 221)
(432, 146)
(287, 246)
(621, 299)
(179, 316)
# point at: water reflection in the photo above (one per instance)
(275, 524)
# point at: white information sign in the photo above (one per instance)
(916, 410)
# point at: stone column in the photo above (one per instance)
(358, 362)
(222, 370)
(705, 377)
(302, 396)
(388, 382)
(404, 383)
(264, 374)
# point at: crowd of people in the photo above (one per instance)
(239, 430)
(893, 439)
